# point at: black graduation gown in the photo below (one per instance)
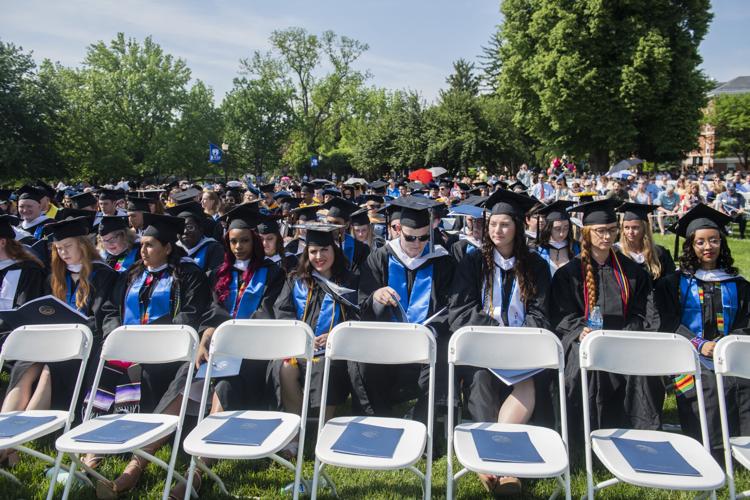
(111, 260)
(736, 390)
(33, 229)
(461, 248)
(189, 300)
(214, 256)
(27, 285)
(63, 375)
(484, 392)
(361, 251)
(294, 247)
(378, 387)
(615, 400)
(338, 382)
(246, 390)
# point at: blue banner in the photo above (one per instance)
(214, 153)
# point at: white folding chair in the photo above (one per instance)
(380, 343)
(46, 344)
(508, 349)
(731, 360)
(254, 339)
(647, 354)
(145, 344)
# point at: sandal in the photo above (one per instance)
(106, 489)
(9, 458)
(508, 486)
(489, 482)
(178, 492)
(92, 461)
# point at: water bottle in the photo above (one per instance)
(595, 321)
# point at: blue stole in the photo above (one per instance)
(38, 231)
(692, 308)
(71, 289)
(330, 311)
(348, 248)
(124, 263)
(470, 248)
(418, 304)
(200, 256)
(252, 293)
(158, 305)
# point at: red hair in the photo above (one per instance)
(224, 274)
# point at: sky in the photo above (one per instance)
(412, 43)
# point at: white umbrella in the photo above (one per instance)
(437, 171)
(624, 165)
(355, 180)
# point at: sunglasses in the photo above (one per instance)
(411, 238)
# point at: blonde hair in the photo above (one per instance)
(653, 266)
(130, 239)
(59, 283)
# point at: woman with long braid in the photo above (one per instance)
(600, 282)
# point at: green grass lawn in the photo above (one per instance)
(265, 479)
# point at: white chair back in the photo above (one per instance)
(731, 356)
(263, 339)
(381, 343)
(638, 353)
(509, 348)
(47, 343)
(150, 343)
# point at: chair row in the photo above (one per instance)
(379, 443)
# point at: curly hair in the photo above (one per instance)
(521, 252)
(690, 263)
(305, 269)
(224, 274)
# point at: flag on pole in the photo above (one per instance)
(214, 153)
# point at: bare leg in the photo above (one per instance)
(18, 398)
(660, 218)
(291, 390)
(42, 397)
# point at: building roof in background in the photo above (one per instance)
(739, 85)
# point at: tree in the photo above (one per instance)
(730, 115)
(29, 104)
(601, 79)
(463, 78)
(295, 62)
(490, 63)
(453, 129)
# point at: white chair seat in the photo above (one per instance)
(408, 450)
(68, 444)
(711, 474)
(741, 449)
(38, 431)
(283, 434)
(548, 443)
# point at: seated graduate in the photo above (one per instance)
(534, 223)
(602, 284)
(412, 275)
(82, 281)
(637, 241)
(22, 275)
(363, 230)
(164, 287)
(136, 208)
(322, 293)
(207, 253)
(118, 244)
(471, 238)
(273, 244)
(31, 211)
(340, 212)
(503, 284)
(556, 244)
(300, 216)
(705, 300)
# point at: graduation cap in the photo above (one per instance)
(415, 210)
(45, 188)
(296, 188)
(164, 228)
(466, 210)
(360, 217)
(268, 225)
(185, 196)
(557, 210)
(111, 194)
(111, 223)
(518, 187)
(463, 186)
(282, 195)
(323, 235)
(699, 217)
(374, 197)
(189, 209)
(6, 227)
(290, 203)
(635, 211)
(307, 188)
(597, 212)
(482, 184)
(66, 213)
(415, 186)
(136, 204)
(585, 197)
(340, 208)
(377, 185)
(68, 228)
(504, 202)
(445, 183)
(151, 194)
(309, 212)
(331, 191)
(83, 200)
(243, 216)
(319, 183)
(267, 188)
(30, 193)
(254, 190)
(5, 194)
(391, 211)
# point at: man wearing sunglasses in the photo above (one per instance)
(406, 280)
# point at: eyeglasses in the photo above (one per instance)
(712, 242)
(411, 238)
(111, 239)
(396, 227)
(603, 231)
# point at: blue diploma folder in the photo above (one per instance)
(117, 431)
(17, 424)
(368, 440)
(223, 367)
(511, 377)
(654, 457)
(243, 431)
(497, 446)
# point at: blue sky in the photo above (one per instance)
(412, 42)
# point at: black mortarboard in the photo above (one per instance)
(307, 188)
(296, 188)
(83, 200)
(374, 197)
(5, 194)
(110, 223)
(68, 228)
(482, 184)
(445, 183)
(268, 225)
(518, 186)
(164, 228)
(136, 204)
(45, 188)
(320, 234)
(319, 183)
(30, 193)
(290, 203)
(339, 207)
(504, 202)
(188, 209)
(6, 227)
(415, 210)
(243, 216)
(282, 195)
(111, 194)
(393, 212)
(151, 194)
(332, 191)
(415, 185)
(360, 217)
(585, 197)
(700, 217)
(463, 186)
(597, 212)
(377, 185)
(67, 213)
(253, 190)
(309, 212)
(635, 211)
(557, 210)
(185, 196)
(267, 188)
